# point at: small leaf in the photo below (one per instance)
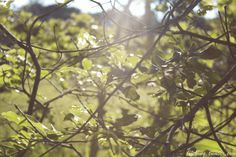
(53, 136)
(40, 127)
(149, 131)
(126, 118)
(131, 93)
(210, 145)
(87, 64)
(168, 83)
(210, 53)
(12, 117)
(44, 73)
(213, 77)
(69, 117)
(132, 61)
(26, 134)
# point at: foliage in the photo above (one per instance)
(80, 86)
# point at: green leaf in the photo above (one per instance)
(139, 78)
(126, 118)
(132, 61)
(5, 67)
(53, 133)
(210, 53)
(69, 117)
(168, 83)
(213, 77)
(53, 136)
(87, 64)
(44, 73)
(130, 92)
(149, 131)
(210, 145)
(26, 134)
(12, 117)
(40, 127)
